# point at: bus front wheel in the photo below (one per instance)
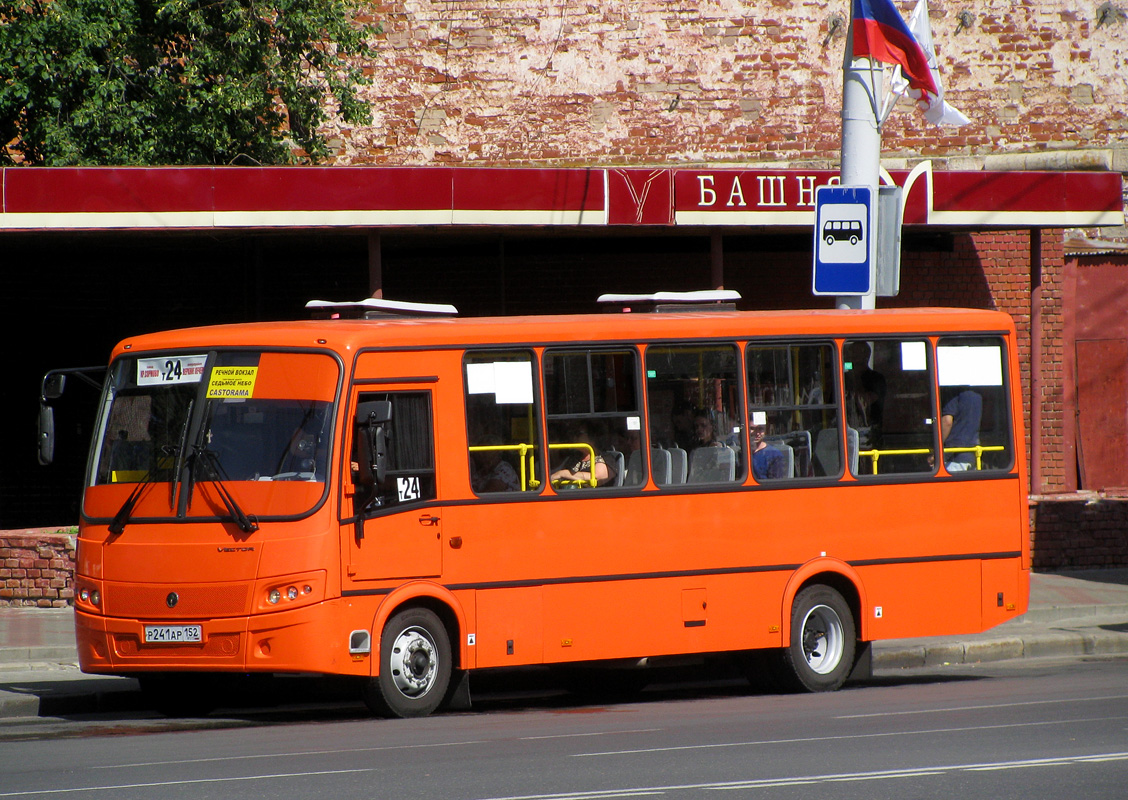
(823, 640)
(415, 666)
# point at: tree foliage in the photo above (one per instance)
(86, 82)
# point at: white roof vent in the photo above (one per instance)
(706, 299)
(376, 308)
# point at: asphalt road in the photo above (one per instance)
(1047, 729)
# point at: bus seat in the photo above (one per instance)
(712, 464)
(614, 461)
(634, 476)
(826, 452)
(788, 453)
(679, 465)
(800, 442)
(660, 463)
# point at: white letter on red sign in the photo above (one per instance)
(708, 196)
(771, 181)
(736, 196)
(806, 190)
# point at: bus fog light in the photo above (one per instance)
(307, 589)
(96, 598)
(274, 597)
(84, 595)
(292, 593)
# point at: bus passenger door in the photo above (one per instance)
(397, 526)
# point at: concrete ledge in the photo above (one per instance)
(1056, 643)
(19, 657)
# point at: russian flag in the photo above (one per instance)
(881, 34)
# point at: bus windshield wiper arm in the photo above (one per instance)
(181, 447)
(210, 460)
(126, 511)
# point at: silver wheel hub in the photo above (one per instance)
(823, 639)
(413, 664)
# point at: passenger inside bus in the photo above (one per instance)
(865, 394)
(959, 428)
(768, 461)
(577, 470)
(705, 431)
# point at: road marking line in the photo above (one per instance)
(845, 736)
(986, 707)
(804, 780)
(182, 783)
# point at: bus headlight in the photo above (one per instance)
(290, 591)
(89, 597)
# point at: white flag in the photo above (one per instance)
(936, 109)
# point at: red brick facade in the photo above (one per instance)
(37, 568)
(654, 82)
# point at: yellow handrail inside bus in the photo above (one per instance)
(521, 449)
(592, 481)
(979, 450)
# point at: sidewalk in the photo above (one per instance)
(1082, 612)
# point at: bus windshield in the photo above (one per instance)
(163, 421)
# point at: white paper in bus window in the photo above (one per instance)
(634, 423)
(914, 356)
(970, 366)
(513, 381)
(479, 378)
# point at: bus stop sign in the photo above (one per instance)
(845, 237)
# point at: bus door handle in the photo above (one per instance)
(427, 519)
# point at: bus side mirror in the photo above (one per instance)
(372, 418)
(46, 434)
(53, 385)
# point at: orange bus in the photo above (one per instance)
(407, 496)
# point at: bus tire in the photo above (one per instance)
(823, 641)
(415, 666)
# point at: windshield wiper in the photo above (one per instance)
(126, 511)
(209, 459)
(121, 518)
(180, 450)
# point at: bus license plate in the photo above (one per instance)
(171, 634)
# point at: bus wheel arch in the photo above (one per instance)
(822, 615)
(417, 660)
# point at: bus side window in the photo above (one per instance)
(792, 414)
(975, 423)
(409, 454)
(889, 405)
(503, 434)
(693, 393)
(593, 408)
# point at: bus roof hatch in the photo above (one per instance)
(376, 308)
(703, 300)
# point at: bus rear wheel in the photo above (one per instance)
(823, 641)
(415, 666)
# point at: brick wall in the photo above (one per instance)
(37, 567)
(654, 81)
(1079, 532)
